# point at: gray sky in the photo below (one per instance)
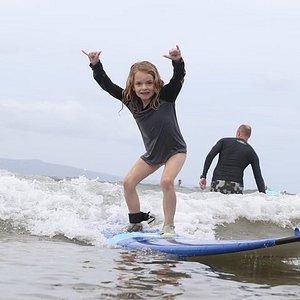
(242, 62)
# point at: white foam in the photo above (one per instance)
(89, 210)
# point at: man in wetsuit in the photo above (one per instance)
(235, 154)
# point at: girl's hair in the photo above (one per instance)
(129, 94)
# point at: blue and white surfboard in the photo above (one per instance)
(185, 247)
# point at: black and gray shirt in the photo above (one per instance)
(234, 156)
(159, 128)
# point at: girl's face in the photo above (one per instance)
(143, 85)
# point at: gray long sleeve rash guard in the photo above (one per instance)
(159, 128)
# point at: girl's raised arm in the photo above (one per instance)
(93, 56)
(174, 54)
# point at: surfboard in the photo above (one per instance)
(272, 193)
(188, 247)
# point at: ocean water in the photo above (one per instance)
(54, 243)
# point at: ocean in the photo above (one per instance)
(54, 243)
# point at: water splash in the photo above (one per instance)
(90, 211)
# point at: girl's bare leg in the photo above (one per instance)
(138, 172)
(171, 170)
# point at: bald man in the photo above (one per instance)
(235, 154)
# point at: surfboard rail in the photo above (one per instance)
(184, 247)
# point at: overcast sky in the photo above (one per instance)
(242, 62)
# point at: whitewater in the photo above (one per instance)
(42, 217)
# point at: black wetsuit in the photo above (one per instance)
(234, 156)
(159, 128)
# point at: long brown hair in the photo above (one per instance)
(129, 94)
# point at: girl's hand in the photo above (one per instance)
(93, 56)
(174, 54)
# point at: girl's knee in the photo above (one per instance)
(167, 183)
(128, 183)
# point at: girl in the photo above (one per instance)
(152, 105)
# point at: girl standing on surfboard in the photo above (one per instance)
(152, 105)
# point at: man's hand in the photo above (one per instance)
(202, 183)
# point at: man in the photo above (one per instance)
(235, 154)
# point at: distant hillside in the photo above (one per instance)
(40, 168)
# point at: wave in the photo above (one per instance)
(89, 211)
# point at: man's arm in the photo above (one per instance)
(209, 158)
(257, 174)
